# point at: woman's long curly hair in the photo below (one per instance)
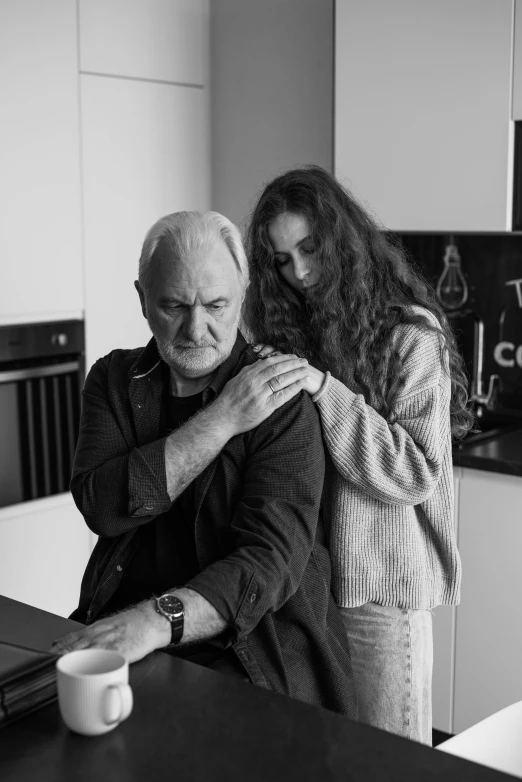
(366, 288)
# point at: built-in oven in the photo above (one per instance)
(42, 370)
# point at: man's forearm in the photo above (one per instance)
(191, 448)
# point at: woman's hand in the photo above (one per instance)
(257, 390)
(314, 379)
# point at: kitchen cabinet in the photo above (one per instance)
(517, 62)
(488, 648)
(164, 40)
(444, 618)
(422, 111)
(44, 548)
(145, 154)
(40, 216)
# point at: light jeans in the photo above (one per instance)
(392, 660)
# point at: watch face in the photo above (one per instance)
(171, 605)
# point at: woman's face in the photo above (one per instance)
(295, 255)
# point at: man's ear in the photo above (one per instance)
(141, 294)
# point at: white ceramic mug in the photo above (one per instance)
(93, 690)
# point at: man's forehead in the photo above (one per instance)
(211, 258)
(209, 270)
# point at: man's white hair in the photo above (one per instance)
(187, 232)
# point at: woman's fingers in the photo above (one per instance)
(263, 351)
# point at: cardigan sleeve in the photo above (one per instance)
(397, 463)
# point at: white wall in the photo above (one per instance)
(272, 94)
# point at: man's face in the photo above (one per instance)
(193, 308)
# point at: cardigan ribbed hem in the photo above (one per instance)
(418, 593)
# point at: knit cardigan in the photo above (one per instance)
(388, 498)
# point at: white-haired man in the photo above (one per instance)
(201, 468)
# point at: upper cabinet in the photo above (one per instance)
(40, 216)
(517, 63)
(145, 154)
(422, 111)
(162, 40)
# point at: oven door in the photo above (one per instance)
(39, 417)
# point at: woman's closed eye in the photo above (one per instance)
(307, 249)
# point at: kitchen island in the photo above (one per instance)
(190, 723)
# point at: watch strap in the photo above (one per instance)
(176, 619)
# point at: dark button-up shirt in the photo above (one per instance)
(259, 542)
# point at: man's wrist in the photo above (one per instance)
(219, 421)
(159, 625)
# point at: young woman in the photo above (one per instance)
(387, 381)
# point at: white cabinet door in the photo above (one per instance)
(44, 548)
(165, 40)
(40, 217)
(444, 646)
(488, 667)
(422, 109)
(145, 154)
(517, 62)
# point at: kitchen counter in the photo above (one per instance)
(496, 451)
(190, 723)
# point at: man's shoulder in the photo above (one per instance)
(115, 366)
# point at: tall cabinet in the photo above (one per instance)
(145, 145)
(106, 130)
(40, 220)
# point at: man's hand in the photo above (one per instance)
(257, 390)
(135, 633)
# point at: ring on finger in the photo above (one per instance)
(272, 389)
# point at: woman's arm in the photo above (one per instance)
(400, 462)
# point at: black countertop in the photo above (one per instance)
(193, 724)
(497, 450)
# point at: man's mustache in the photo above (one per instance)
(193, 345)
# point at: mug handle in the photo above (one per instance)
(117, 704)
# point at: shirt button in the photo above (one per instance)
(252, 596)
(89, 612)
(149, 507)
(118, 568)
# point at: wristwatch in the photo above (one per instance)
(172, 609)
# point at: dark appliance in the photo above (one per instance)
(42, 370)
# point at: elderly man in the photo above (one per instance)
(200, 468)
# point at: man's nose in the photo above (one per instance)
(195, 324)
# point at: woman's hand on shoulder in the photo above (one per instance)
(314, 379)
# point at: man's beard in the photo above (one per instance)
(192, 359)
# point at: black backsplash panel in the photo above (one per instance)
(488, 261)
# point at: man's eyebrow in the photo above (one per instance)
(175, 300)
